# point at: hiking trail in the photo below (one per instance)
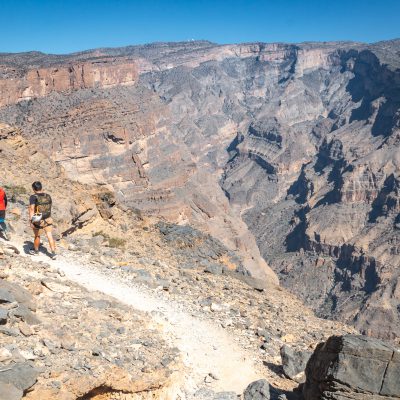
(206, 348)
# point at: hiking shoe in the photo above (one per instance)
(33, 252)
(53, 256)
(6, 236)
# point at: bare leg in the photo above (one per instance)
(51, 241)
(36, 242)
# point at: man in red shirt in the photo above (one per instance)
(3, 206)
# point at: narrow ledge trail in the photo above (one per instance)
(205, 347)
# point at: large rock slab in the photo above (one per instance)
(10, 392)
(11, 291)
(294, 362)
(20, 375)
(353, 367)
(3, 316)
(5, 295)
(260, 390)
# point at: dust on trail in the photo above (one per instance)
(205, 347)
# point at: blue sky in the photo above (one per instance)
(65, 26)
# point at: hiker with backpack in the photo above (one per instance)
(40, 218)
(3, 206)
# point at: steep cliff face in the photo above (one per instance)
(321, 190)
(17, 85)
(296, 143)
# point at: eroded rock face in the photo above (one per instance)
(321, 190)
(19, 85)
(291, 148)
(71, 211)
(131, 139)
(353, 367)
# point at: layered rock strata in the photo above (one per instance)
(353, 367)
(298, 142)
(41, 82)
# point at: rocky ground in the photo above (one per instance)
(135, 321)
(59, 341)
(261, 317)
(250, 319)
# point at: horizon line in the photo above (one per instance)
(196, 41)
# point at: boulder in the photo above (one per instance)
(353, 367)
(10, 392)
(255, 283)
(25, 314)
(214, 269)
(21, 375)
(294, 363)
(3, 316)
(14, 292)
(5, 295)
(260, 390)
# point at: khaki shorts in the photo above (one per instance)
(46, 225)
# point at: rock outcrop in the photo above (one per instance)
(294, 362)
(260, 390)
(41, 82)
(353, 367)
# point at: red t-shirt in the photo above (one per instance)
(3, 200)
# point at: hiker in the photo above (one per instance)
(3, 206)
(40, 218)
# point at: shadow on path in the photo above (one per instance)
(28, 245)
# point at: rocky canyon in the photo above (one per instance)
(286, 155)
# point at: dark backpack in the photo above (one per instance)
(43, 205)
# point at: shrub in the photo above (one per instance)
(15, 191)
(113, 242)
(116, 242)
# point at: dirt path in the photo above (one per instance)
(205, 348)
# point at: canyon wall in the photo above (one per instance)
(16, 86)
(291, 150)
